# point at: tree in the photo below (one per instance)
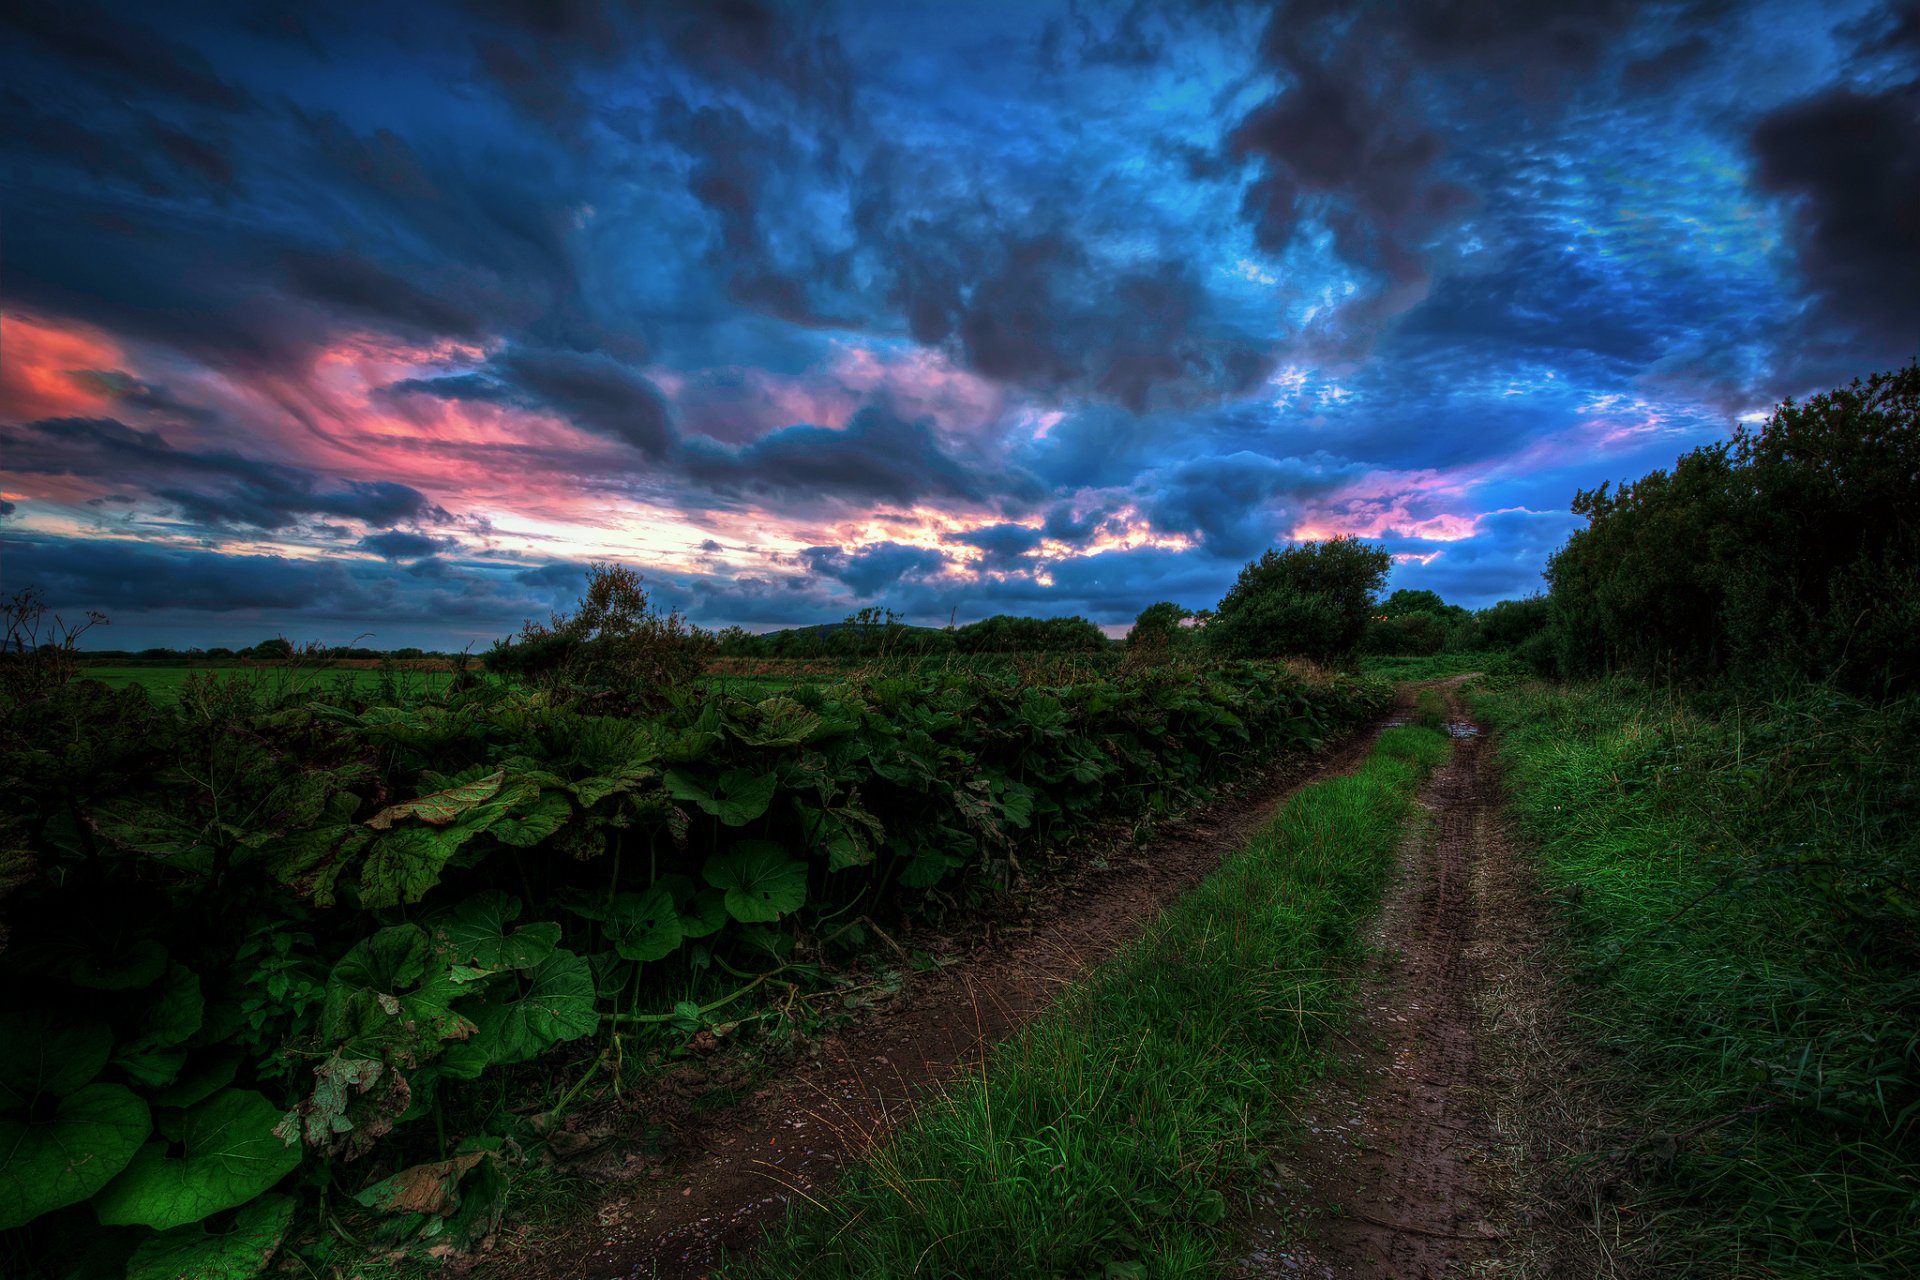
(1159, 633)
(1785, 553)
(614, 645)
(1311, 600)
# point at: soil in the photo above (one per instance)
(1397, 1169)
(732, 1170)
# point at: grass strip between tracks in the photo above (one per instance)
(1114, 1135)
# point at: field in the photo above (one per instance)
(369, 914)
(165, 682)
(1170, 959)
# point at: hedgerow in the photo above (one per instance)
(260, 949)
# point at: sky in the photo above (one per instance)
(386, 319)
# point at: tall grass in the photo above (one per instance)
(1113, 1136)
(1740, 889)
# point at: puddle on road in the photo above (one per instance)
(1461, 729)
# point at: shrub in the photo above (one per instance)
(1311, 601)
(614, 647)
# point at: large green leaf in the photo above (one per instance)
(405, 864)
(550, 1003)
(123, 964)
(782, 722)
(476, 937)
(441, 807)
(389, 995)
(529, 824)
(231, 1155)
(193, 1253)
(43, 1053)
(644, 926)
(309, 861)
(172, 1013)
(761, 882)
(703, 913)
(46, 1164)
(739, 796)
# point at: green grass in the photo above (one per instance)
(1430, 667)
(164, 683)
(1115, 1134)
(1739, 891)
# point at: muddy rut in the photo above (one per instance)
(1397, 1169)
(733, 1170)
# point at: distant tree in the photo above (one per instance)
(277, 648)
(614, 646)
(1311, 600)
(1405, 601)
(1158, 631)
(1511, 623)
(1005, 633)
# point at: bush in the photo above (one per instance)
(1311, 601)
(614, 648)
(1786, 553)
(263, 947)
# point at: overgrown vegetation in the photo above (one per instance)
(1310, 600)
(1742, 887)
(1791, 552)
(275, 961)
(1113, 1136)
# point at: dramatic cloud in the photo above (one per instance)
(412, 312)
(1849, 163)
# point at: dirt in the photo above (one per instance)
(733, 1170)
(1397, 1169)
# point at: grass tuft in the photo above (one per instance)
(1115, 1134)
(1739, 890)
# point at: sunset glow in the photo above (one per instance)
(800, 309)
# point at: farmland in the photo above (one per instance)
(867, 949)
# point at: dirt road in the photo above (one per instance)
(733, 1169)
(1401, 1171)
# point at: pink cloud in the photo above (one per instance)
(39, 358)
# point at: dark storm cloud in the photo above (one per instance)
(297, 593)
(1331, 148)
(147, 396)
(554, 576)
(397, 544)
(1849, 162)
(878, 456)
(1357, 138)
(1065, 523)
(875, 568)
(351, 285)
(212, 488)
(536, 52)
(1005, 545)
(594, 392)
(1234, 504)
(1024, 300)
(739, 169)
(122, 51)
(458, 386)
(1011, 288)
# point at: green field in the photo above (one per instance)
(164, 684)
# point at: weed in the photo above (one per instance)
(1115, 1134)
